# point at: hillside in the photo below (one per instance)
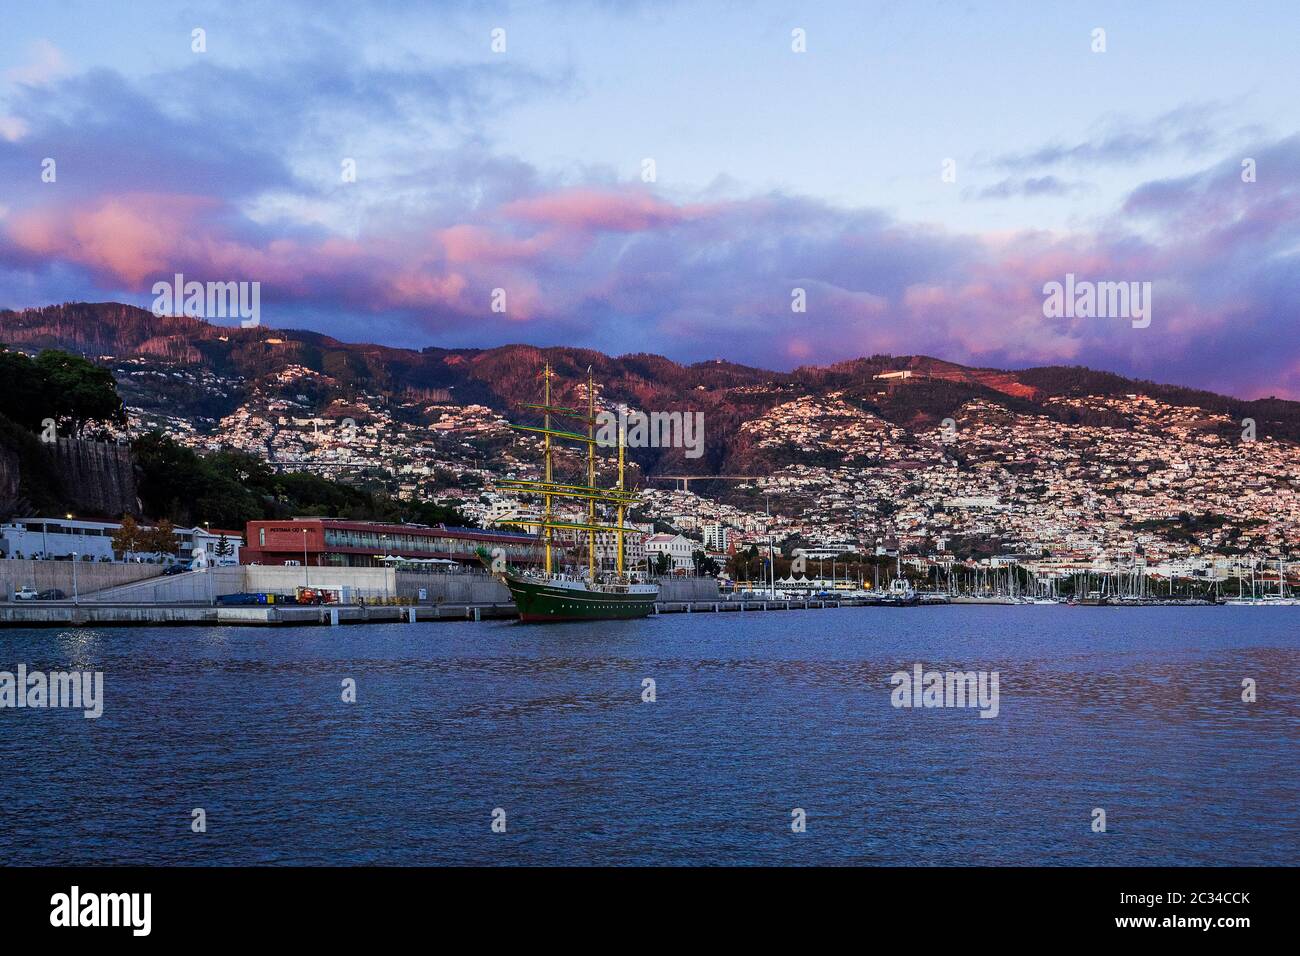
(1051, 460)
(504, 376)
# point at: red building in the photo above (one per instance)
(333, 542)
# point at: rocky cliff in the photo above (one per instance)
(95, 477)
(86, 478)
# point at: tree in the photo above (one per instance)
(663, 563)
(160, 539)
(224, 548)
(230, 488)
(22, 390)
(132, 538)
(129, 537)
(78, 393)
(704, 565)
(744, 564)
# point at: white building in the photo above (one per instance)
(512, 510)
(57, 538)
(61, 538)
(830, 550)
(717, 537)
(633, 547)
(191, 540)
(678, 549)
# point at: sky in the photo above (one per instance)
(776, 184)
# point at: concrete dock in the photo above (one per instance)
(103, 614)
(378, 595)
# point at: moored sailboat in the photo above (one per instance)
(590, 593)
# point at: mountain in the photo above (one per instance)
(502, 377)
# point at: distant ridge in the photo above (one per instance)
(500, 376)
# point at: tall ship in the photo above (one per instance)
(576, 593)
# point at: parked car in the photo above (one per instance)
(25, 593)
(52, 594)
(174, 569)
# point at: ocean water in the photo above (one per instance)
(1137, 712)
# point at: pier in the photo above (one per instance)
(104, 614)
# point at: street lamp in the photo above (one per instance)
(74, 579)
(306, 582)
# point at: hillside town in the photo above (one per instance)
(1177, 490)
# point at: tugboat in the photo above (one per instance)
(589, 594)
(900, 593)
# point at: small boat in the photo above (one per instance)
(900, 593)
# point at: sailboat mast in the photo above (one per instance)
(591, 475)
(547, 531)
(619, 533)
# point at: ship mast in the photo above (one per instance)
(547, 530)
(619, 533)
(549, 489)
(591, 475)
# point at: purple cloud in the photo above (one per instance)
(414, 254)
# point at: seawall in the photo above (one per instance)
(92, 576)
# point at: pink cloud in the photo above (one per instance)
(469, 243)
(130, 238)
(621, 211)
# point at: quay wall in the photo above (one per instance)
(481, 588)
(144, 583)
(202, 587)
(443, 588)
(192, 587)
(91, 575)
(688, 589)
(365, 582)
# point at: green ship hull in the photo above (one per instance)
(538, 601)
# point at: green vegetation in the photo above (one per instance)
(704, 565)
(229, 488)
(77, 394)
(176, 484)
(133, 538)
(1186, 528)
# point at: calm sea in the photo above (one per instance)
(1137, 712)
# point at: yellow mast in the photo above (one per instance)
(618, 497)
(546, 519)
(591, 474)
(619, 533)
